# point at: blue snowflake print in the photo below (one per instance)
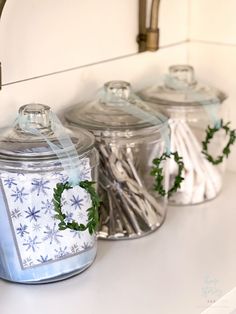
(27, 262)
(31, 244)
(40, 186)
(81, 215)
(52, 234)
(22, 230)
(9, 182)
(76, 234)
(63, 201)
(44, 259)
(60, 176)
(85, 175)
(75, 248)
(87, 198)
(61, 252)
(32, 214)
(47, 206)
(84, 162)
(19, 195)
(63, 179)
(69, 217)
(86, 246)
(16, 213)
(76, 201)
(37, 227)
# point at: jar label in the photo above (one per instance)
(31, 212)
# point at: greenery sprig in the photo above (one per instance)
(210, 133)
(92, 212)
(157, 172)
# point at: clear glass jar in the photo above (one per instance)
(127, 142)
(191, 107)
(32, 248)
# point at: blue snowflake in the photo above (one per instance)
(69, 217)
(19, 195)
(63, 178)
(43, 259)
(85, 175)
(84, 162)
(76, 234)
(47, 206)
(31, 243)
(76, 201)
(52, 234)
(85, 246)
(32, 214)
(87, 198)
(40, 186)
(9, 182)
(36, 227)
(27, 262)
(81, 215)
(75, 248)
(63, 201)
(61, 252)
(16, 213)
(22, 230)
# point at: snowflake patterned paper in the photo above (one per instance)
(31, 211)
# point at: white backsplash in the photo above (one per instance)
(64, 89)
(41, 37)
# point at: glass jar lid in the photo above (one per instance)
(34, 128)
(117, 108)
(180, 88)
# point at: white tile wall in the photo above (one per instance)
(173, 19)
(213, 20)
(40, 37)
(64, 89)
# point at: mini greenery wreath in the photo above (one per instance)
(157, 172)
(210, 132)
(93, 217)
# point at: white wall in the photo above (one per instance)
(67, 88)
(38, 38)
(212, 50)
(42, 37)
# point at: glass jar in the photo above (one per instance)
(33, 249)
(194, 110)
(127, 141)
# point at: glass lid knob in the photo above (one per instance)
(117, 91)
(181, 75)
(35, 116)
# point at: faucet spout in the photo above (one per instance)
(148, 39)
(155, 14)
(2, 3)
(153, 33)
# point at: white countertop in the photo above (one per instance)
(182, 268)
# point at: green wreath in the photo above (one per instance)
(210, 132)
(157, 172)
(93, 216)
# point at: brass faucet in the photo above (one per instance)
(2, 3)
(148, 38)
